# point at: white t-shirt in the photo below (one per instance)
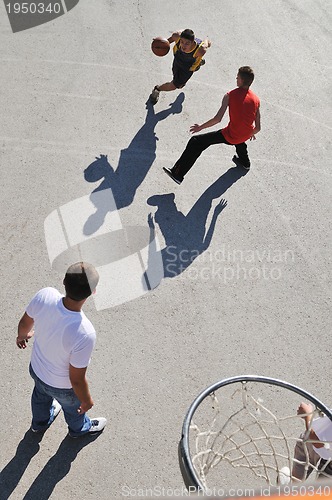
(322, 427)
(61, 337)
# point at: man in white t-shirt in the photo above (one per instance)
(318, 429)
(63, 342)
(313, 449)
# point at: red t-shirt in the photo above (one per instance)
(242, 107)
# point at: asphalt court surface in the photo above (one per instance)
(255, 299)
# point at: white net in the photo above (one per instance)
(246, 433)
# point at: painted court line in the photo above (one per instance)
(137, 70)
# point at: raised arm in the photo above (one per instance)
(213, 121)
(175, 36)
(203, 48)
(305, 411)
(218, 209)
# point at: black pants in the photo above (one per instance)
(199, 143)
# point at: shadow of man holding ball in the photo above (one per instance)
(133, 166)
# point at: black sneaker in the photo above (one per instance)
(237, 162)
(169, 172)
(154, 96)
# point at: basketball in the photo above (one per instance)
(160, 46)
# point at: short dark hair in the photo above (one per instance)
(188, 34)
(247, 75)
(80, 281)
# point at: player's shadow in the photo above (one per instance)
(133, 166)
(53, 472)
(186, 236)
(11, 474)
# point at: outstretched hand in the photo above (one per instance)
(220, 207)
(22, 344)
(150, 221)
(304, 409)
(195, 128)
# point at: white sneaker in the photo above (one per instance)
(97, 424)
(284, 476)
(57, 408)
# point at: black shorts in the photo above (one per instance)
(180, 75)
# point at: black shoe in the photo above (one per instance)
(154, 96)
(169, 172)
(237, 162)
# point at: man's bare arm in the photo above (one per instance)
(24, 331)
(175, 36)
(81, 388)
(257, 124)
(213, 121)
(203, 48)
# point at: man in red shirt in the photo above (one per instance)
(244, 124)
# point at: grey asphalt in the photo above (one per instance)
(256, 300)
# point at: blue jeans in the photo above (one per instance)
(43, 411)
